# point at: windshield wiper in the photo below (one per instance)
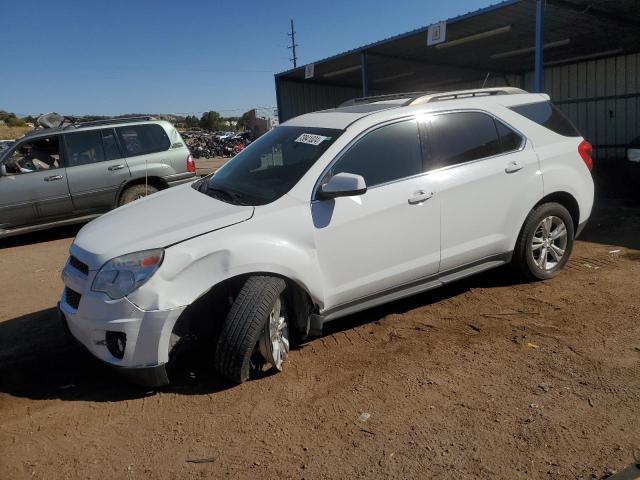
(225, 195)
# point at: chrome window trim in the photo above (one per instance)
(415, 116)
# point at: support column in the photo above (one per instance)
(365, 79)
(538, 79)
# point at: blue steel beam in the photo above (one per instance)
(365, 78)
(538, 77)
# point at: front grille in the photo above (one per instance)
(78, 265)
(72, 297)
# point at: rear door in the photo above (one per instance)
(488, 177)
(34, 191)
(95, 169)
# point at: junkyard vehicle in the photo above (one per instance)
(328, 214)
(633, 151)
(58, 176)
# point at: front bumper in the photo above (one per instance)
(147, 333)
(153, 376)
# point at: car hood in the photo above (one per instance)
(159, 220)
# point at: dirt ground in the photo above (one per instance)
(486, 378)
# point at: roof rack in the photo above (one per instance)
(455, 95)
(416, 98)
(108, 121)
(380, 98)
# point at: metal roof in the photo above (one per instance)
(497, 39)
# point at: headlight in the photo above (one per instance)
(122, 275)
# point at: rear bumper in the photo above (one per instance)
(152, 376)
(180, 178)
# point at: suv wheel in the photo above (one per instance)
(255, 331)
(545, 242)
(136, 192)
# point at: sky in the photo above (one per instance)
(111, 57)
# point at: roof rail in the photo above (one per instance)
(479, 92)
(380, 98)
(108, 121)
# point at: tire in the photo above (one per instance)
(135, 192)
(537, 253)
(237, 348)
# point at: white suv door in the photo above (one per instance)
(488, 179)
(387, 237)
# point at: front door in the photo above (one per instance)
(95, 168)
(34, 189)
(390, 235)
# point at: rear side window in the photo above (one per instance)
(462, 137)
(388, 153)
(509, 139)
(84, 148)
(143, 139)
(548, 115)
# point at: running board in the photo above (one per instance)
(44, 226)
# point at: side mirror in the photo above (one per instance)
(342, 185)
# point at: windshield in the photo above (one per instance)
(270, 166)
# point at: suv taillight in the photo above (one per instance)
(585, 150)
(191, 165)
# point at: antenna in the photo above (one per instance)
(293, 46)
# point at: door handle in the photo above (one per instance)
(53, 178)
(513, 167)
(419, 197)
(116, 167)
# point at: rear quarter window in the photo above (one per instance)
(143, 139)
(549, 116)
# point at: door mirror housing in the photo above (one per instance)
(342, 185)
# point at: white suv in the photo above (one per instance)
(330, 213)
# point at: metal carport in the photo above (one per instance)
(589, 64)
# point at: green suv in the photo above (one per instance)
(72, 174)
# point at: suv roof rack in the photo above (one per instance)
(416, 98)
(454, 95)
(380, 98)
(108, 121)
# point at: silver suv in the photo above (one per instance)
(72, 174)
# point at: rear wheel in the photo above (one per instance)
(135, 192)
(256, 330)
(545, 242)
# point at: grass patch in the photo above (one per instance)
(9, 133)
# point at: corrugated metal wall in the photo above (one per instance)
(602, 98)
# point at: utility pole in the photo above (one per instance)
(293, 45)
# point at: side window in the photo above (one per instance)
(35, 155)
(143, 139)
(84, 148)
(509, 139)
(111, 150)
(388, 153)
(461, 137)
(548, 115)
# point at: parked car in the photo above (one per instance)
(328, 214)
(58, 176)
(633, 151)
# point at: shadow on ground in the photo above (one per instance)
(58, 233)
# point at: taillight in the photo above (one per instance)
(191, 165)
(585, 150)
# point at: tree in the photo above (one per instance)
(211, 121)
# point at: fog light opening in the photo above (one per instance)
(116, 343)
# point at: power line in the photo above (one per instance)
(293, 45)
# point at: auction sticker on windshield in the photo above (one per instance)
(311, 139)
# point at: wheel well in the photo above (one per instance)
(204, 317)
(567, 201)
(156, 182)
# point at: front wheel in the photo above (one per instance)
(545, 242)
(255, 331)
